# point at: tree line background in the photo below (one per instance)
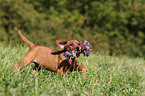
(111, 26)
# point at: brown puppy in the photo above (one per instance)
(50, 59)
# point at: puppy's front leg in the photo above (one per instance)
(60, 71)
(83, 69)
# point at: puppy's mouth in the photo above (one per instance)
(84, 48)
(70, 55)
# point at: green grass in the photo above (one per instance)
(106, 75)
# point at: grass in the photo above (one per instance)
(106, 75)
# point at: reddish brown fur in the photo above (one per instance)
(43, 57)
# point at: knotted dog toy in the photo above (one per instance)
(86, 48)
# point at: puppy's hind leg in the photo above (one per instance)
(29, 57)
(24, 62)
(37, 68)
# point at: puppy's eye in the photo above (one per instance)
(71, 44)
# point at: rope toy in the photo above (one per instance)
(86, 48)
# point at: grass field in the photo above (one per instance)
(106, 75)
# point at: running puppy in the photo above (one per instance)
(51, 59)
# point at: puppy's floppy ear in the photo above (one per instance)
(61, 43)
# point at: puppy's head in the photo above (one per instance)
(70, 45)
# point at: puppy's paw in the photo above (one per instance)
(14, 68)
(35, 72)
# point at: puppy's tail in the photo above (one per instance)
(25, 39)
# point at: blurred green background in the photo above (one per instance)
(111, 26)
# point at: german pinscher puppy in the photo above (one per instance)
(51, 59)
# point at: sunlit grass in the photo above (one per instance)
(106, 75)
